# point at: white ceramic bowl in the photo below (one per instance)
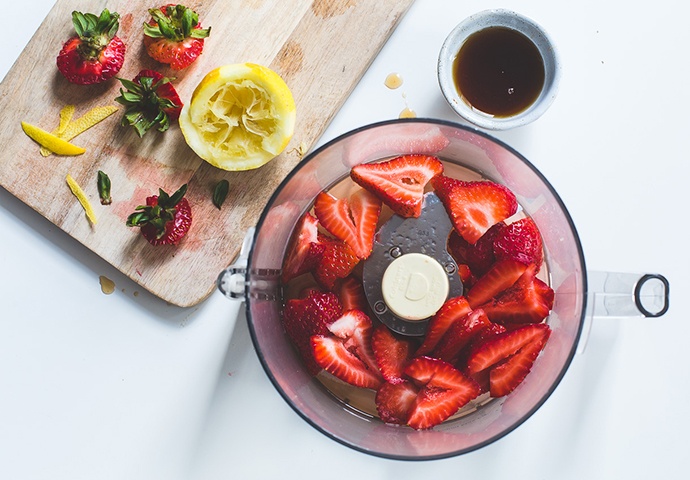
(515, 21)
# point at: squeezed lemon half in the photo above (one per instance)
(240, 117)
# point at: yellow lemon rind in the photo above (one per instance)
(52, 142)
(83, 199)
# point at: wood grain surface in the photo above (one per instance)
(320, 48)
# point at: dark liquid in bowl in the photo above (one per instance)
(499, 71)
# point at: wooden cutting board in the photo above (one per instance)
(320, 47)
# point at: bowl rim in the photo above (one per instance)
(537, 405)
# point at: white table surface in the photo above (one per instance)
(123, 386)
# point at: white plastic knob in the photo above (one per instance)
(414, 286)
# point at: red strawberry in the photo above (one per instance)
(351, 294)
(355, 329)
(505, 377)
(466, 276)
(150, 101)
(452, 310)
(444, 390)
(529, 300)
(500, 276)
(353, 221)
(392, 353)
(394, 402)
(309, 316)
(399, 182)
(480, 256)
(332, 355)
(174, 35)
(474, 207)
(486, 334)
(96, 54)
(337, 261)
(504, 345)
(165, 219)
(460, 333)
(304, 250)
(520, 241)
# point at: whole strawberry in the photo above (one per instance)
(165, 219)
(174, 35)
(150, 100)
(95, 54)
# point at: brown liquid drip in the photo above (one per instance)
(499, 71)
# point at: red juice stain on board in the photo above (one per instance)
(499, 71)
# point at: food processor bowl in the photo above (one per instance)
(459, 147)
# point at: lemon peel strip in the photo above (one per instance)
(69, 129)
(81, 196)
(52, 142)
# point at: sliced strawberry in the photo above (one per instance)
(444, 390)
(505, 377)
(500, 276)
(392, 353)
(304, 250)
(353, 221)
(337, 261)
(504, 345)
(459, 335)
(394, 401)
(351, 294)
(529, 300)
(354, 328)
(486, 334)
(399, 182)
(466, 276)
(480, 256)
(452, 310)
(308, 316)
(520, 241)
(474, 207)
(331, 354)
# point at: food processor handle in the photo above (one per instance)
(232, 282)
(624, 295)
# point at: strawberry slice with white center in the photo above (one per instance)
(353, 221)
(443, 391)
(392, 353)
(504, 345)
(304, 249)
(529, 300)
(355, 330)
(394, 402)
(452, 310)
(331, 354)
(474, 207)
(399, 182)
(502, 275)
(351, 294)
(347, 354)
(460, 334)
(504, 378)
